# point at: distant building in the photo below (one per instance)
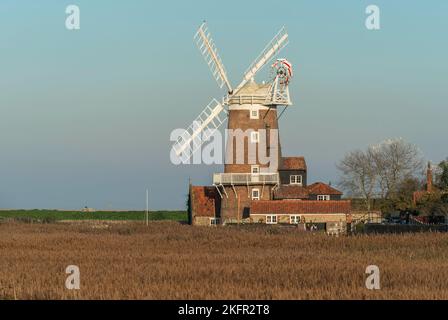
(420, 195)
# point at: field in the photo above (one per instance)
(55, 215)
(170, 260)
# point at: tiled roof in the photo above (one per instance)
(299, 192)
(291, 192)
(292, 163)
(322, 188)
(203, 201)
(299, 206)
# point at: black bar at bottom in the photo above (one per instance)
(207, 309)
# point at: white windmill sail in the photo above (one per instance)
(210, 119)
(277, 43)
(209, 51)
(214, 114)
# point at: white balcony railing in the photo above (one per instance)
(247, 99)
(245, 178)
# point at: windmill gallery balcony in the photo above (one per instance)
(245, 178)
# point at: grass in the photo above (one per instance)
(169, 260)
(55, 215)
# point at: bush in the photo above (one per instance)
(48, 220)
(444, 198)
(359, 228)
(25, 220)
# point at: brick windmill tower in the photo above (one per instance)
(251, 110)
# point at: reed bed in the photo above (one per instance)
(169, 260)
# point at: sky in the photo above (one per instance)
(86, 115)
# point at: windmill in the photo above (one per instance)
(247, 95)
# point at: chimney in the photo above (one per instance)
(429, 178)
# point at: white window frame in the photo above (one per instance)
(254, 137)
(257, 114)
(215, 221)
(271, 219)
(294, 219)
(256, 167)
(255, 197)
(323, 197)
(294, 179)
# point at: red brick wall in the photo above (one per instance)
(298, 206)
(203, 201)
(234, 208)
(240, 119)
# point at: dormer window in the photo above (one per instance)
(323, 197)
(295, 179)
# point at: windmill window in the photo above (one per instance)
(254, 137)
(255, 194)
(323, 197)
(254, 114)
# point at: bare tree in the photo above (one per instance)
(395, 161)
(380, 170)
(359, 175)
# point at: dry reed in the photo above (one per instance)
(168, 260)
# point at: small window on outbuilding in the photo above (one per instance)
(271, 219)
(294, 219)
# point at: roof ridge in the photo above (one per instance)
(329, 189)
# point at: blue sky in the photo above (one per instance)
(85, 116)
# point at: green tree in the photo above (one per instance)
(442, 176)
(444, 198)
(403, 201)
(433, 207)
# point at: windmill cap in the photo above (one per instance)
(251, 93)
